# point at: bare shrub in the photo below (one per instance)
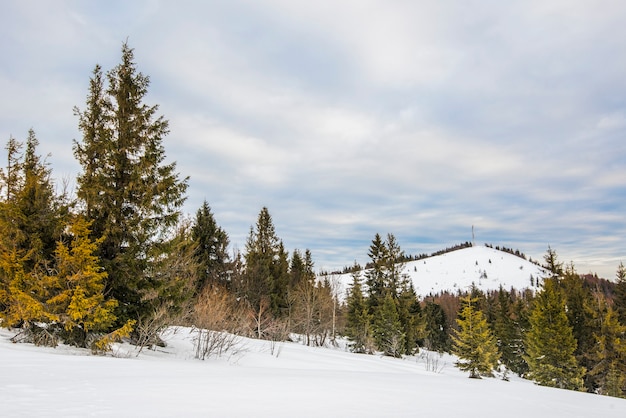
(216, 322)
(38, 335)
(432, 361)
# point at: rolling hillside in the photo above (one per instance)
(487, 268)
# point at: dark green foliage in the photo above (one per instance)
(266, 273)
(410, 315)
(385, 281)
(474, 342)
(375, 277)
(608, 356)
(436, 335)
(554, 267)
(125, 187)
(210, 250)
(387, 329)
(550, 343)
(301, 268)
(619, 298)
(582, 317)
(358, 326)
(509, 333)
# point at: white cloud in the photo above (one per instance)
(347, 118)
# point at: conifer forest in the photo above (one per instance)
(117, 259)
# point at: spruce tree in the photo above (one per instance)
(552, 264)
(31, 220)
(376, 276)
(608, 356)
(583, 317)
(410, 315)
(474, 342)
(358, 328)
(508, 332)
(125, 188)
(266, 273)
(79, 304)
(550, 343)
(387, 329)
(210, 249)
(436, 335)
(619, 298)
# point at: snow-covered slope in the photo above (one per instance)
(487, 268)
(265, 380)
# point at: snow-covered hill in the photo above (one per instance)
(485, 267)
(266, 380)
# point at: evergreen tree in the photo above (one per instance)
(581, 316)
(509, 335)
(387, 328)
(552, 264)
(297, 269)
(609, 356)
(125, 188)
(550, 343)
(619, 298)
(210, 249)
(358, 328)
(376, 277)
(436, 335)
(474, 342)
(266, 266)
(410, 315)
(79, 304)
(38, 210)
(279, 282)
(393, 266)
(31, 219)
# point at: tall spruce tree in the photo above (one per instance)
(210, 249)
(358, 326)
(474, 342)
(550, 343)
(583, 317)
(266, 273)
(125, 188)
(376, 276)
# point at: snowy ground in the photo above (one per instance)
(261, 380)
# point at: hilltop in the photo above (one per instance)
(457, 270)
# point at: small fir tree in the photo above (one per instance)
(387, 329)
(474, 342)
(79, 304)
(609, 356)
(508, 333)
(436, 336)
(358, 328)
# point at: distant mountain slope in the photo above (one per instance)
(487, 268)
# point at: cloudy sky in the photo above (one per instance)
(351, 117)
